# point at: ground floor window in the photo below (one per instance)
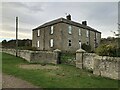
(80, 43)
(51, 42)
(69, 43)
(38, 43)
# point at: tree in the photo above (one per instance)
(4, 41)
(86, 47)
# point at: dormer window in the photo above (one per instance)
(70, 29)
(51, 30)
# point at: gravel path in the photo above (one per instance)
(9, 81)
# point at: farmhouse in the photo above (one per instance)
(64, 34)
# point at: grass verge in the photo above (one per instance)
(65, 77)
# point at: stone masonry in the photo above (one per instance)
(100, 65)
(36, 56)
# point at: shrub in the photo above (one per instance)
(107, 50)
(87, 48)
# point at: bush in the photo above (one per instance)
(108, 50)
(87, 48)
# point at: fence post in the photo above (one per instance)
(79, 58)
(57, 56)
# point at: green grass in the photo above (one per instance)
(66, 77)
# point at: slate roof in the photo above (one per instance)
(63, 20)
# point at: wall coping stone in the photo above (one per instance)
(107, 58)
(80, 51)
(57, 50)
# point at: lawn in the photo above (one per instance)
(65, 77)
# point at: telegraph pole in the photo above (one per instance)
(16, 36)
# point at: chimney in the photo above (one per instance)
(68, 17)
(84, 23)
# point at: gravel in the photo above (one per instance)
(9, 81)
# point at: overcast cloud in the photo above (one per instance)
(102, 16)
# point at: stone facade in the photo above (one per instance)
(62, 39)
(36, 56)
(100, 65)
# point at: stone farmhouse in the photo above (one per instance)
(64, 34)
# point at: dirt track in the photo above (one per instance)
(9, 81)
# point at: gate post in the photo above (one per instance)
(57, 56)
(79, 58)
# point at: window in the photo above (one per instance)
(79, 32)
(80, 43)
(69, 44)
(51, 42)
(87, 43)
(51, 30)
(38, 44)
(69, 29)
(69, 40)
(87, 33)
(96, 35)
(96, 40)
(38, 32)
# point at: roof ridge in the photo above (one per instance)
(61, 19)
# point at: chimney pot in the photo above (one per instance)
(84, 23)
(68, 17)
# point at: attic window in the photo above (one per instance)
(70, 29)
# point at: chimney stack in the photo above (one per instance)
(68, 17)
(84, 23)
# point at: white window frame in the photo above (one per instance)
(51, 29)
(79, 32)
(38, 32)
(38, 43)
(51, 43)
(70, 29)
(87, 33)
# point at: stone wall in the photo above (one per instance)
(107, 67)
(100, 65)
(36, 56)
(88, 60)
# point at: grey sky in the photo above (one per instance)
(102, 16)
